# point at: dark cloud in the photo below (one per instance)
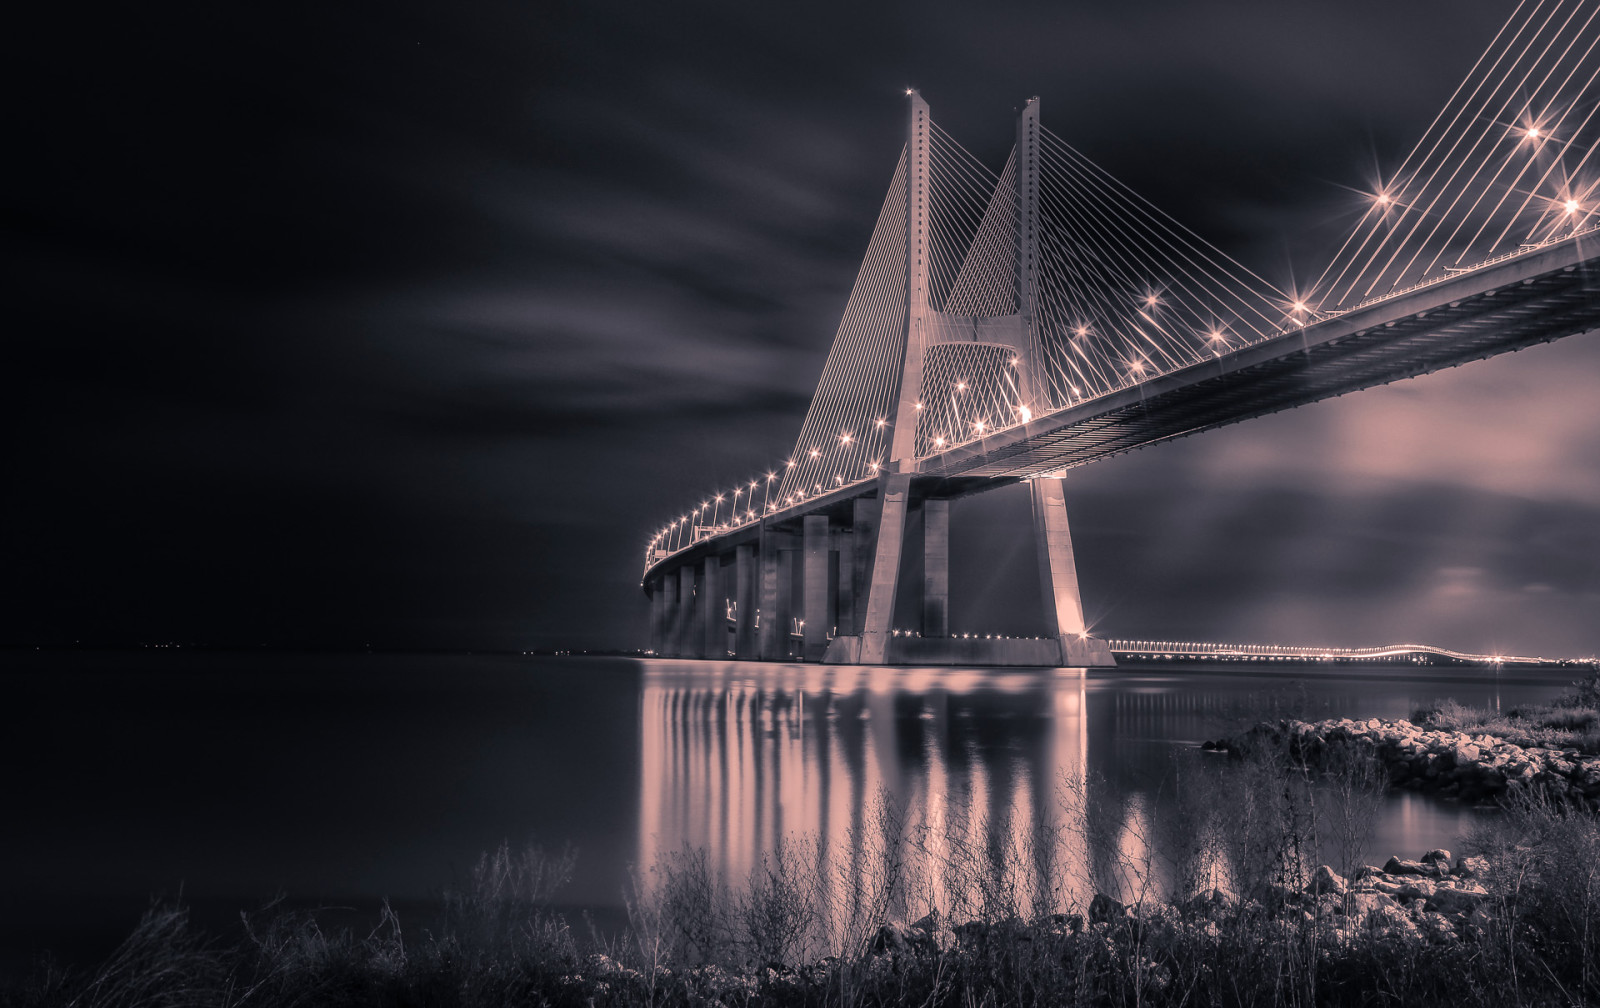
(406, 326)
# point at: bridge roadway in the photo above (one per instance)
(1530, 297)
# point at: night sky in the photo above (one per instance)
(407, 325)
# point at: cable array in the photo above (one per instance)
(1504, 167)
(1126, 293)
(847, 431)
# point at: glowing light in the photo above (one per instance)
(880, 422)
(1572, 206)
(718, 498)
(1150, 300)
(1383, 199)
(979, 425)
(1081, 331)
(1015, 362)
(1301, 306)
(837, 478)
(815, 453)
(873, 467)
(790, 463)
(1533, 133)
(771, 477)
(961, 386)
(919, 405)
(938, 442)
(1076, 390)
(844, 438)
(1025, 413)
(1216, 335)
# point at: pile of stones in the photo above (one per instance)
(1473, 768)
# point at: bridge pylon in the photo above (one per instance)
(926, 328)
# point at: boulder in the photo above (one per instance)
(1436, 855)
(1326, 880)
(1103, 909)
(1395, 866)
(1452, 900)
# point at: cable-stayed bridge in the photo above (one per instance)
(1007, 327)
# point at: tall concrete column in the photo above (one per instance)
(815, 613)
(744, 599)
(683, 644)
(659, 615)
(884, 576)
(844, 582)
(786, 606)
(713, 611)
(935, 568)
(1058, 577)
(863, 541)
(769, 639)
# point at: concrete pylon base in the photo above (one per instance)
(1019, 652)
(1085, 652)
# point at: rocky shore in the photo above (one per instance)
(1431, 900)
(1472, 768)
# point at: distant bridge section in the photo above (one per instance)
(1421, 654)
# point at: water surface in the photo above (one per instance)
(339, 780)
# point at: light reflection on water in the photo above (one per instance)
(1060, 774)
(972, 762)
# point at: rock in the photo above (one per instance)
(1205, 904)
(1363, 904)
(1456, 901)
(1103, 909)
(1438, 928)
(1436, 855)
(1395, 866)
(901, 939)
(1326, 880)
(1472, 867)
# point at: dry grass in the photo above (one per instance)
(1206, 913)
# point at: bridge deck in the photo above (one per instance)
(1532, 298)
(1529, 299)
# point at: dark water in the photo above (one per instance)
(339, 780)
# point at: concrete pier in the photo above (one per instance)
(745, 578)
(935, 568)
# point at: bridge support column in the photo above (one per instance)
(787, 561)
(864, 540)
(844, 582)
(659, 615)
(1058, 577)
(744, 600)
(683, 615)
(882, 578)
(769, 636)
(818, 623)
(713, 611)
(935, 568)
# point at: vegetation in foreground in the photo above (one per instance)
(1220, 901)
(1238, 914)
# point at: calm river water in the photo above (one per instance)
(339, 780)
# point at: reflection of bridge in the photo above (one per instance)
(1006, 328)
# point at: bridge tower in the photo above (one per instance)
(927, 328)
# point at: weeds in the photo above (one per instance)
(921, 916)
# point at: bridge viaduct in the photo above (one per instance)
(818, 579)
